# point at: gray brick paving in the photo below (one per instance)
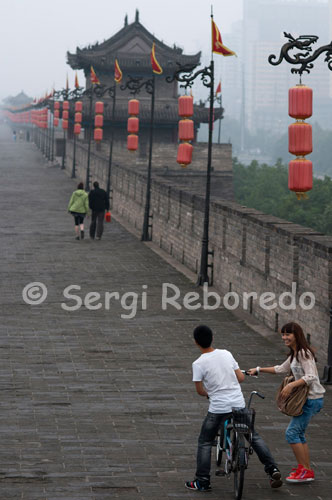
(94, 406)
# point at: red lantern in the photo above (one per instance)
(300, 102)
(185, 153)
(133, 125)
(65, 115)
(65, 105)
(186, 130)
(186, 106)
(56, 105)
(300, 176)
(78, 117)
(77, 128)
(133, 107)
(56, 122)
(99, 108)
(132, 142)
(98, 134)
(65, 124)
(300, 138)
(78, 106)
(99, 121)
(56, 113)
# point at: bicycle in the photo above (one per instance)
(238, 428)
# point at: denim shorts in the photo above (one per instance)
(298, 425)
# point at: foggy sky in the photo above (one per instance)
(36, 34)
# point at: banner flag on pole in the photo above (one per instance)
(93, 77)
(117, 72)
(218, 91)
(156, 68)
(217, 45)
(76, 81)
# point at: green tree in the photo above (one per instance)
(266, 188)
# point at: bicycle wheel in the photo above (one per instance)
(239, 466)
(218, 451)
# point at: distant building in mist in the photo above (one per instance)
(16, 101)
(263, 103)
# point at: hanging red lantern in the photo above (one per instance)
(300, 102)
(99, 121)
(133, 125)
(186, 106)
(65, 115)
(186, 130)
(78, 117)
(77, 128)
(65, 105)
(300, 138)
(133, 107)
(65, 124)
(78, 106)
(99, 108)
(300, 176)
(57, 105)
(56, 113)
(56, 122)
(98, 134)
(132, 142)
(185, 153)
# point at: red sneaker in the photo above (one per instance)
(305, 476)
(294, 473)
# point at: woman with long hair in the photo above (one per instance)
(301, 362)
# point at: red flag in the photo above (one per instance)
(76, 81)
(156, 68)
(117, 72)
(217, 46)
(218, 91)
(93, 77)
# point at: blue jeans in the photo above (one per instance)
(298, 425)
(209, 430)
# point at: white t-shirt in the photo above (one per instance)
(216, 370)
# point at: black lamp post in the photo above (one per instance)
(64, 93)
(305, 59)
(207, 76)
(135, 85)
(112, 93)
(75, 94)
(219, 101)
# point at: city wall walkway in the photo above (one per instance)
(98, 406)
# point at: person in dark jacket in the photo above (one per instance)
(98, 202)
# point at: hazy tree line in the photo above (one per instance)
(265, 188)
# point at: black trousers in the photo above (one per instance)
(97, 224)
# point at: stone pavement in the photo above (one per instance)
(95, 406)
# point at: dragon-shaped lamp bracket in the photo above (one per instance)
(305, 58)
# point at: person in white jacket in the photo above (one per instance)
(301, 362)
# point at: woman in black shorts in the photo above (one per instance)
(79, 207)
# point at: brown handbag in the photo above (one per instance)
(293, 404)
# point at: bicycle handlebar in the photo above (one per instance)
(245, 372)
(259, 394)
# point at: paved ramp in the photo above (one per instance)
(99, 406)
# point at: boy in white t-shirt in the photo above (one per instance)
(217, 376)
